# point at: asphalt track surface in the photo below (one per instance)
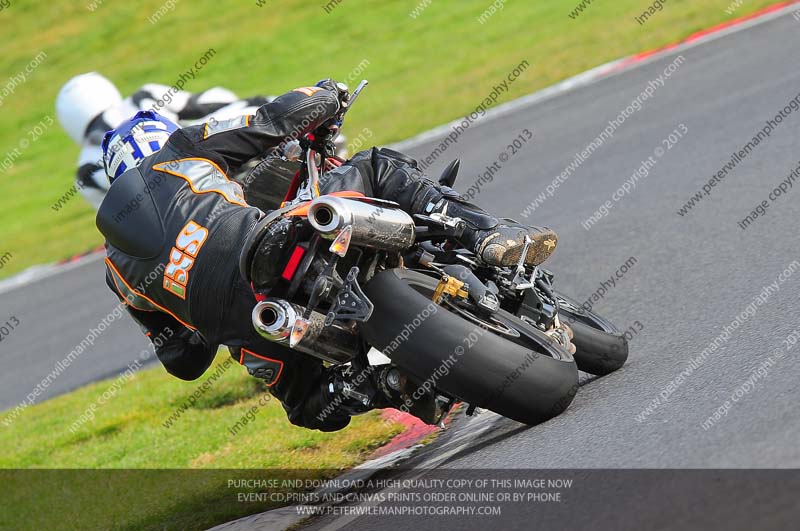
(693, 275)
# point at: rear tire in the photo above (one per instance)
(528, 379)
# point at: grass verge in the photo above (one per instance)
(135, 432)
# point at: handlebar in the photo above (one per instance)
(310, 154)
(354, 95)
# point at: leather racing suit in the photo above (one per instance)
(177, 225)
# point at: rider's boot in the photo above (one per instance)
(356, 391)
(395, 176)
(498, 242)
(410, 397)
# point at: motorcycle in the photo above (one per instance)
(367, 276)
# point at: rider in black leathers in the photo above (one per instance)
(176, 227)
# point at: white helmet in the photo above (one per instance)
(82, 99)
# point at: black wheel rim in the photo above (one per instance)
(524, 334)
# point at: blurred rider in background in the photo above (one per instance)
(89, 105)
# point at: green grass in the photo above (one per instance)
(128, 432)
(423, 71)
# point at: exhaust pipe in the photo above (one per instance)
(378, 226)
(276, 320)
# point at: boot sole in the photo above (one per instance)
(542, 246)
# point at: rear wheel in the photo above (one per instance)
(601, 347)
(497, 362)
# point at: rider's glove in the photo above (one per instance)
(325, 133)
(340, 89)
(342, 94)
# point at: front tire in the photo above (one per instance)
(601, 347)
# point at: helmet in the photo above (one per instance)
(129, 144)
(81, 99)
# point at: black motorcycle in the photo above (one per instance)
(369, 277)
